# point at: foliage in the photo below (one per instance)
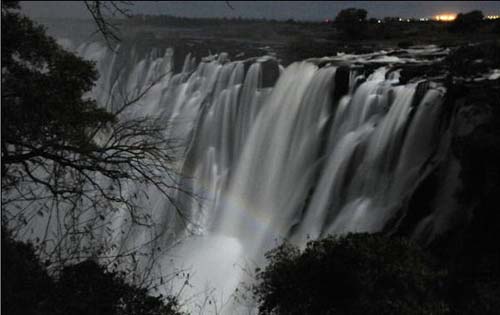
(64, 157)
(355, 274)
(467, 22)
(88, 288)
(36, 122)
(25, 282)
(103, 13)
(84, 288)
(351, 22)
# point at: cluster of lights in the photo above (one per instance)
(445, 17)
(448, 17)
(452, 17)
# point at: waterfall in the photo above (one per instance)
(272, 153)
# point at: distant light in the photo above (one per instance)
(445, 17)
(492, 17)
(400, 19)
(378, 21)
(407, 20)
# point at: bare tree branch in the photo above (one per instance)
(103, 13)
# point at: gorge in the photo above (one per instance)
(323, 146)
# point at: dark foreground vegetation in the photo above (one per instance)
(50, 157)
(78, 289)
(376, 274)
(355, 274)
(455, 273)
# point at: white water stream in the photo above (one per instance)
(269, 163)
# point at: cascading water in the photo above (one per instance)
(285, 160)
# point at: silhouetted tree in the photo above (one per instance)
(351, 22)
(79, 289)
(64, 156)
(354, 274)
(25, 281)
(467, 22)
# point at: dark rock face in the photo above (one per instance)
(477, 145)
(472, 104)
(418, 71)
(469, 247)
(419, 206)
(341, 83)
(270, 72)
(470, 60)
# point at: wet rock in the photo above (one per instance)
(470, 60)
(410, 72)
(420, 92)
(270, 72)
(342, 76)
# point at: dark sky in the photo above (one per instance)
(303, 10)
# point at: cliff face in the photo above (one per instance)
(471, 165)
(460, 189)
(455, 211)
(470, 247)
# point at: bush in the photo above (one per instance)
(352, 22)
(25, 282)
(88, 288)
(81, 289)
(355, 274)
(467, 22)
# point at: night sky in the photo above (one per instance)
(301, 10)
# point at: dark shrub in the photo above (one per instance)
(352, 22)
(88, 288)
(81, 289)
(467, 22)
(355, 274)
(25, 282)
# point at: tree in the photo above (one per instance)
(25, 281)
(103, 13)
(83, 288)
(64, 157)
(88, 288)
(351, 22)
(467, 22)
(354, 274)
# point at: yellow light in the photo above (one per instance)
(445, 17)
